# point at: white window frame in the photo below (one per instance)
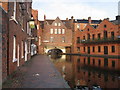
(51, 31)
(55, 24)
(56, 31)
(14, 49)
(22, 49)
(59, 31)
(59, 24)
(63, 31)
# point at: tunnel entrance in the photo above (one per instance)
(55, 51)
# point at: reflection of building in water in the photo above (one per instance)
(91, 71)
(64, 66)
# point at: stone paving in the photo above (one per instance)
(39, 72)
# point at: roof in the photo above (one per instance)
(65, 22)
(86, 21)
(115, 22)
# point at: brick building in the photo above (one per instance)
(4, 42)
(78, 27)
(57, 33)
(101, 40)
(19, 33)
(36, 46)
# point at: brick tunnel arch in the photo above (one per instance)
(46, 49)
(56, 51)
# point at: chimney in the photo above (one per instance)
(67, 19)
(44, 17)
(89, 20)
(72, 17)
(107, 19)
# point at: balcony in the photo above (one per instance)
(103, 40)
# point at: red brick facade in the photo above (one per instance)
(4, 42)
(57, 33)
(102, 40)
(19, 32)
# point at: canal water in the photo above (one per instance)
(88, 72)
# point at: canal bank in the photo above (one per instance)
(39, 72)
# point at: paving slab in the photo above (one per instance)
(39, 72)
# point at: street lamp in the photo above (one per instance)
(32, 23)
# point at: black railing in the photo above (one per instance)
(103, 40)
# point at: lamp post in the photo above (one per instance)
(32, 23)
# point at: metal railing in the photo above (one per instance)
(102, 40)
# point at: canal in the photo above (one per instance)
(88, 72)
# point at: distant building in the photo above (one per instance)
(101, 40)
(79, 26)
(57, 33)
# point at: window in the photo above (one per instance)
(14, 49)
(105, 26)
(59, 24)
(99, 36)
(55, 31)
(112, 35)
(59, 31)
(93, 36)
(93, 49)
(51, 31)
(84, 49)
(88, 36)
(22, 49)
(14, 11)
(55, 24)
(113, 49)
(63, 31)
(78, 49)
(51, 39)
(99, 49)
(63, 39)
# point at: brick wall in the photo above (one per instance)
(4, 32)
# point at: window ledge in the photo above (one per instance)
(23, 30)
(14, 60)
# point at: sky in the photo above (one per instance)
(79, 9)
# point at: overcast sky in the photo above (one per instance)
(96, 9)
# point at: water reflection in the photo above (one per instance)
(92, 72)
